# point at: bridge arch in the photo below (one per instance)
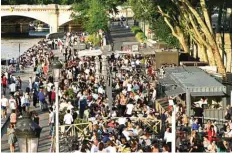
(54, 15)
(24, 16)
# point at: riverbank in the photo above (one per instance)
(44, 140)
(10, 46)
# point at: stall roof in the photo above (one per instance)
(176, 91)
(195, 81)
(95, 52)
(207, 94)
(166, 81)
(130, 43)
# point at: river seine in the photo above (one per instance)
(10, 46)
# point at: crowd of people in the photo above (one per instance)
(113, 120)
(195, 134)
(119, 121)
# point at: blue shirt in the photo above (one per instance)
(41, 96)
(105, 138)
(195, 126)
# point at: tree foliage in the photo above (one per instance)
(45, 2)
(187, 19)
(92, 14)
(145, 10)
(163, 33)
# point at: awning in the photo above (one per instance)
(174, 92)
(95, 52)
(167, 81)
(207, 94)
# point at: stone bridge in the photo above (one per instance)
(54, 15)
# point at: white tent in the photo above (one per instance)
(95, 52)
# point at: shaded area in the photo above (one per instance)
(119, 35)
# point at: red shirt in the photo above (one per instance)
(53, 95)
(211, 134)
(4, 81)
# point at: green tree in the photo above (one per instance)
(92, 14)
(163, 33)
(144, 10)
(188, 19)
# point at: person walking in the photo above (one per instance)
(4, 106)
(12, 87)
(49, 92)
(12, 103)
(11, 137)
(13, 118)
(4, 84)
(35, 97)
(51, 121)
(53, 96)
(30, 83)
(18, 103)
(41, 98)
(27, 104)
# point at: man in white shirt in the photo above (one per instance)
(12, 103)
(111, 148)
(137, 62)
(122, 121)
(129, 86)
(94, 148)
(127, 134)
(168, 135)
(12, 87)
(101, 90)
(129, 109)
(68, 119)
(201, 102)
(30, 83)
(4, 105)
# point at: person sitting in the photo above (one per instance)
(195, 126)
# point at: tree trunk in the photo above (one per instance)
(202, 53)
(182, 40)
(206, 16)
(211, 56)
(178, 33)
(183, 44)
(228, 60)
(218, 59)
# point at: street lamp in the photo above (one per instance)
(27, 133)
(57, 66)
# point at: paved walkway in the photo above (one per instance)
(119, 34)
(44, 141)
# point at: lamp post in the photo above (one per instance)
(104, 66)
(56, 66)
(27, 133)
(97, 64)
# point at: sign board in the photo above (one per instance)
(80, 46)
(135, 48)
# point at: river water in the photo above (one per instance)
(10, 46)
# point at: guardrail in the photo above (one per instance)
(78, 129)
(73, 129)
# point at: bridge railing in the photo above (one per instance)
(36, 6)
